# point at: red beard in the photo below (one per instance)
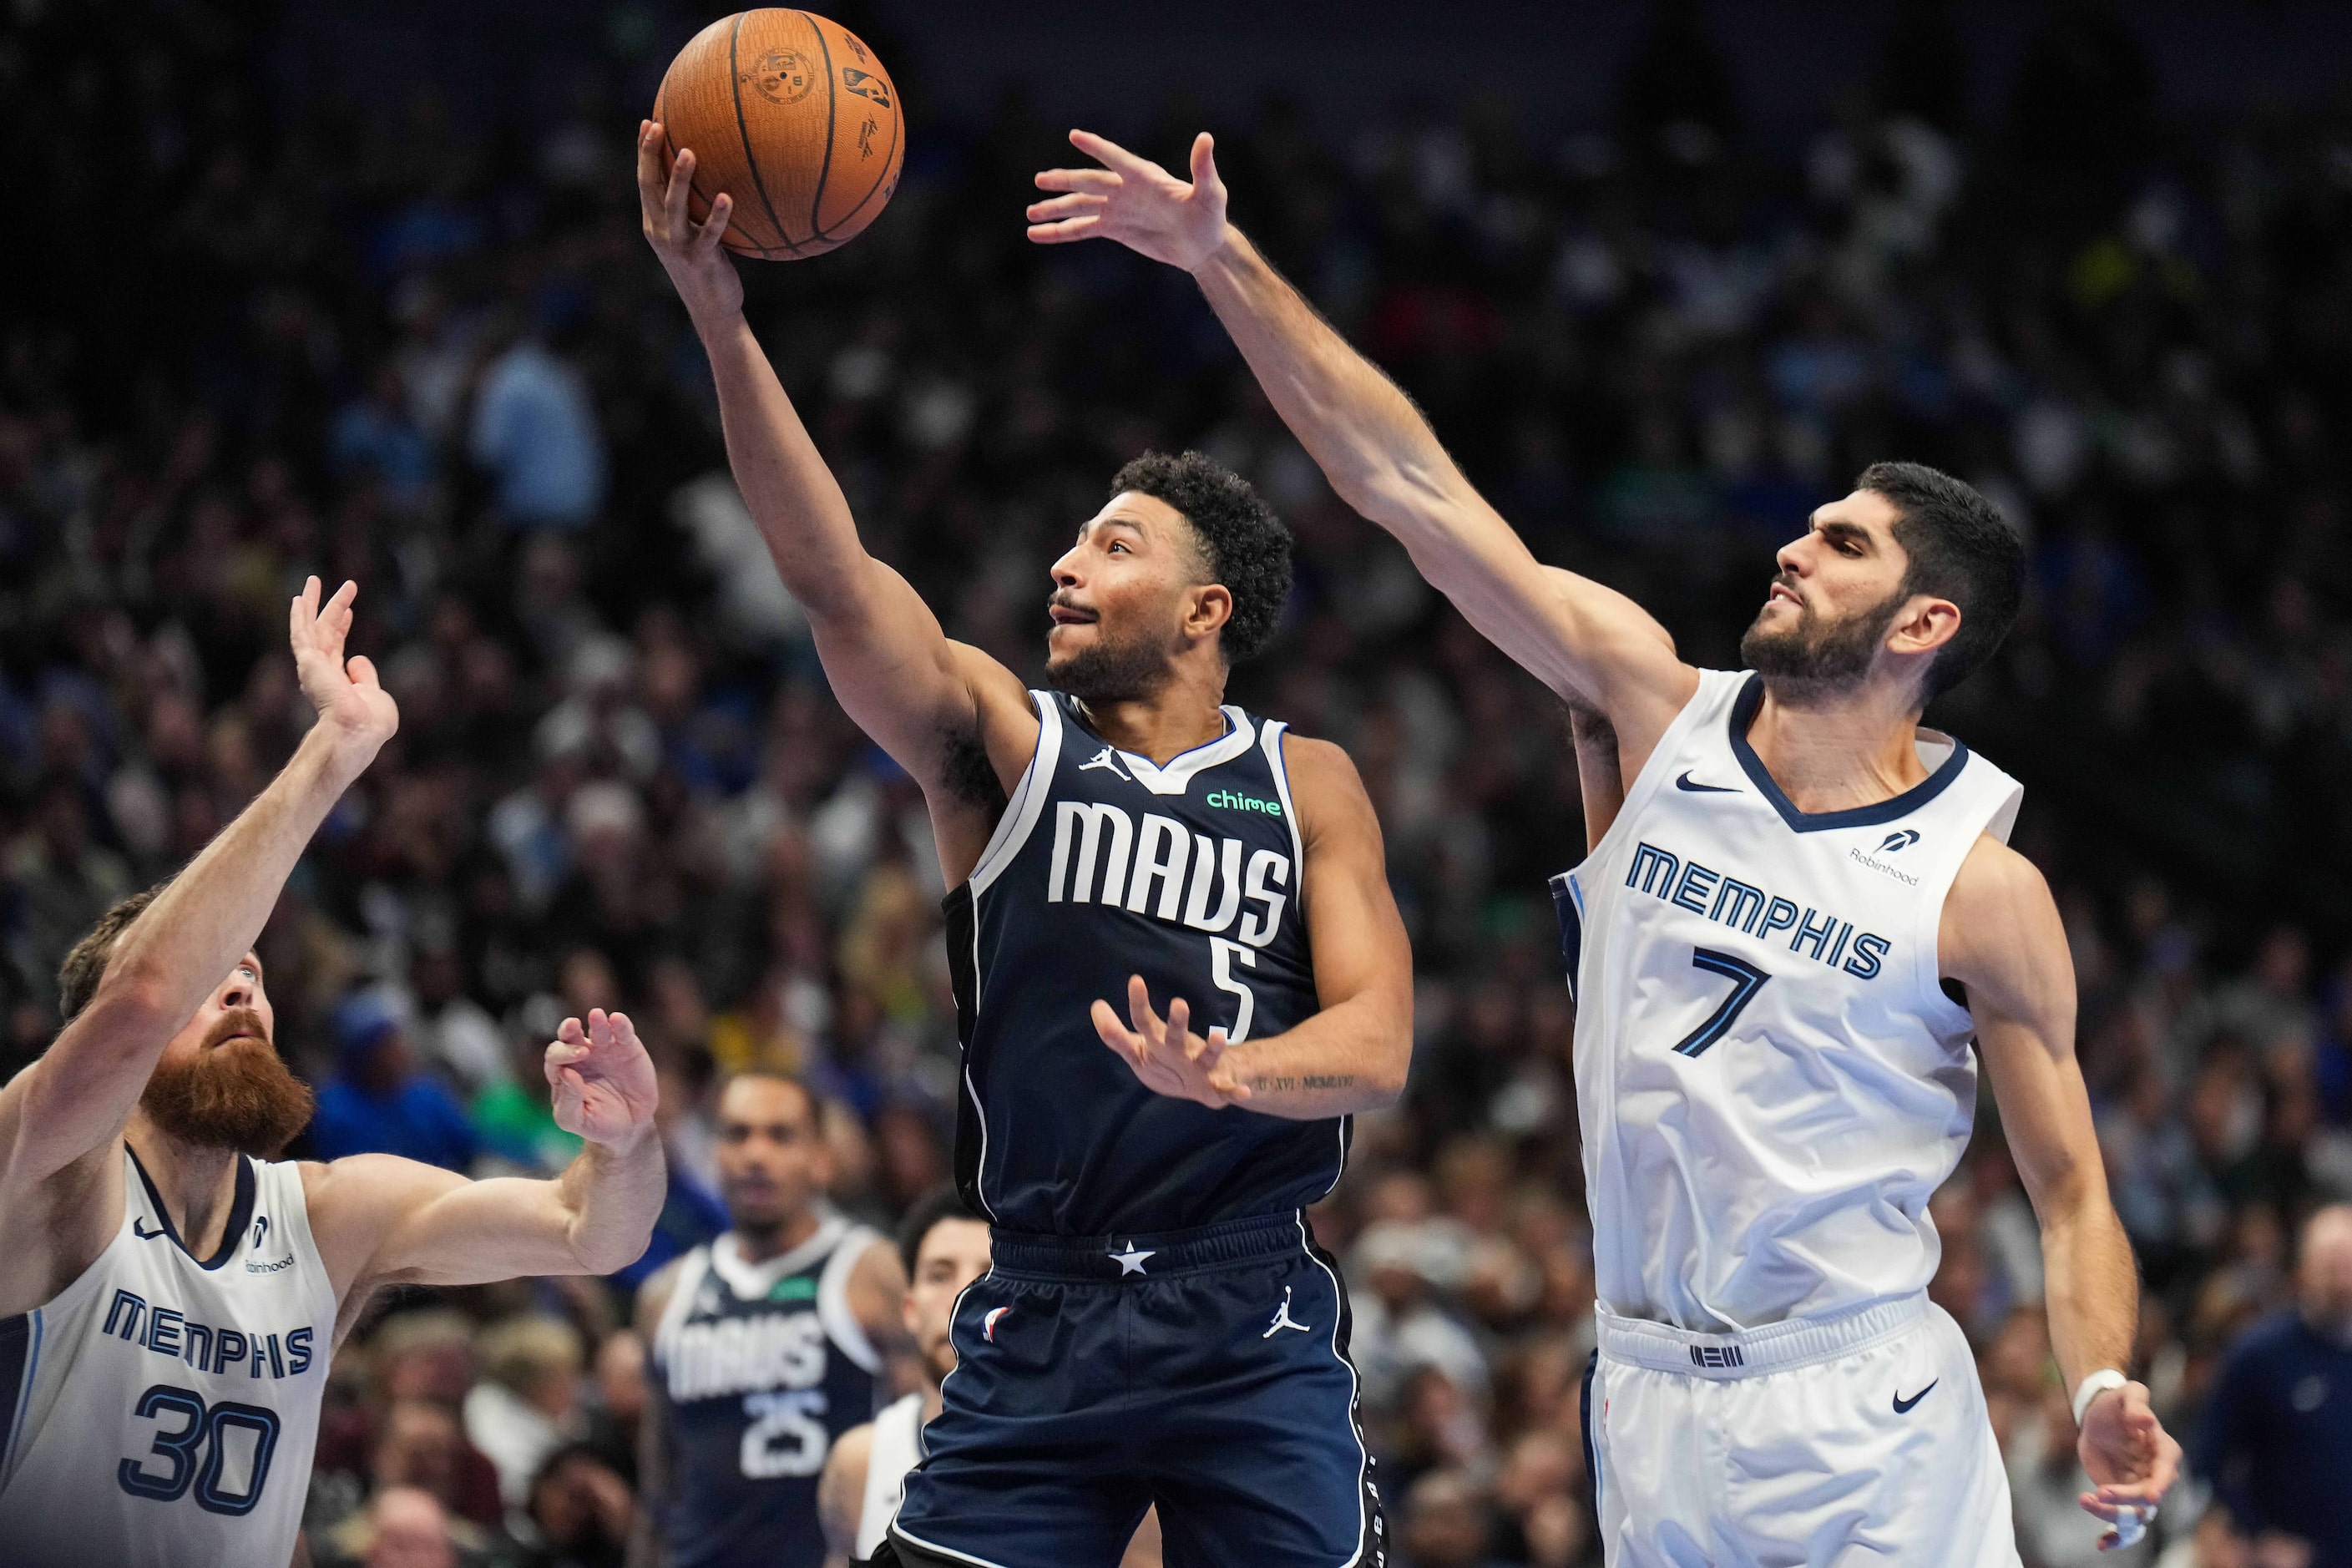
(235, 1095)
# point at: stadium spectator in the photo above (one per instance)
(2277, 1432)
(379, 1101)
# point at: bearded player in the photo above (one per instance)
(1157, 1325)
(1782, 948)
(175, 1294)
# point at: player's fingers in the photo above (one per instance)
(1065, 206)
(681, 180)
(1068, 229)
(360, 670)
(1204, 159)
(1178, 1035)
(714, 227)
(1100, 181)
(1116, 1034)
(1103, 150)
(649, 179)
(1138, 1009)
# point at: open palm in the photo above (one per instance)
(352, 705)
(601, 1079)
(1135, 201)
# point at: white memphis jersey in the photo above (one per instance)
(896, 1448)
(1770, 1077)
(162, 1409)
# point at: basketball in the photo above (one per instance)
(794, 118)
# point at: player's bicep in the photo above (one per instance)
(2003, 942)
(1361, 953)
(79, 1094)
(431, 1227)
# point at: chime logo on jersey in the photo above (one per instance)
(1161, 868)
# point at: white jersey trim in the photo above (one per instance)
(1177, 776)
(893, 1449)
(1028, 803)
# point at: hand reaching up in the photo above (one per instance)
(1135, 201)
(690, 253)
(355, 712)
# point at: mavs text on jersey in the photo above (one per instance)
(1156, 1321)
(163, 1408)
(761, 1366)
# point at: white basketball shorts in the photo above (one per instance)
(1861, 1440)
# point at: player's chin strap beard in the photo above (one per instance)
(1109, 671)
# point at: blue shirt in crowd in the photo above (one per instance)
(421, 1119)
(2276, 1440)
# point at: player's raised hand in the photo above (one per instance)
(354, 710)
(1165, 1054)
(602, 1078)
(2126, 1449)
(700, 271)
(1135, 201)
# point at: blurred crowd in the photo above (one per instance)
(254, 333)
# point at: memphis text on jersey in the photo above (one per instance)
(1756, 911)
(170, 1334)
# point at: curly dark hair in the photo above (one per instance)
(1244, 546)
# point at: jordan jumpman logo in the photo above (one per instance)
(1283, 1320)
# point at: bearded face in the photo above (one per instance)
(1817, 654)
(231, 1092)
(1110, 668)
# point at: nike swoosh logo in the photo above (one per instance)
(1684, 783)
(1903, 1406)
(146, 1235)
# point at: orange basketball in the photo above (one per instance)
(792, 116)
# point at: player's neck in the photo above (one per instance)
(1837, 751)
(1184, 713)
(757, 1244)
(933, 1401)
(196, 1183)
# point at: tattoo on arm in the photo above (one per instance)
(1311, 1080)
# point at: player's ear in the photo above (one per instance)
(1924, 624)
(1207, 609)
(907, 1316)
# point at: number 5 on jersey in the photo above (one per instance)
(1746, 979)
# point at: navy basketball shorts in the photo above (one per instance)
(1205, 1371)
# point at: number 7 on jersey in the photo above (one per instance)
(1746, 979)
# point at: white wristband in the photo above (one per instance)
(2092, 1386)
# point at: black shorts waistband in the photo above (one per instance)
(1133, 1255)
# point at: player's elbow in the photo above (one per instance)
(610, 1251)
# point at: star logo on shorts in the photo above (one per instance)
(1131, 1261)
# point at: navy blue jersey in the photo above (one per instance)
(760, 1367)
(1107, 865)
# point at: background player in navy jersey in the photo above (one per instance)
(1759, 1189)
(171, 1293)
(768, 1344)
(1129, 856)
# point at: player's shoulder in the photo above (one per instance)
(1319, 767)
(841, 1489)
(1999, 926)
(654, 1294)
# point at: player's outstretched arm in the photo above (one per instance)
(1581, 639)
(2002, 939)
(890, 664)
(1354, 1054)
(79, 1096)
(383, 1220)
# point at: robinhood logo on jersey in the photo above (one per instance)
(1226, 800)
(1894, 842)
